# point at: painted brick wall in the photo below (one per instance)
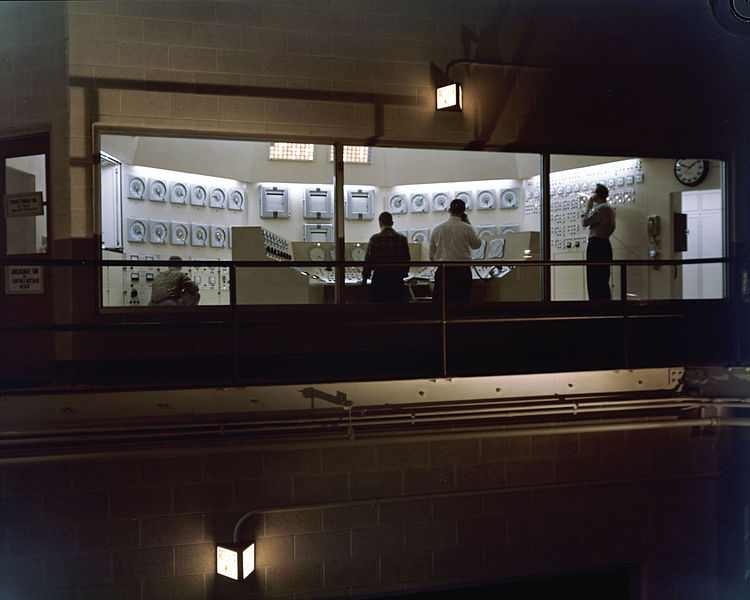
(144, 527)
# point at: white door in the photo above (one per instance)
(704, 240)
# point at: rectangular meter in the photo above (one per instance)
(274, 203)
(358, 204)
(318, 204)
(317, 232)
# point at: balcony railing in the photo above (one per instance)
(346, 338)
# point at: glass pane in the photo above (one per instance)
(218, 200)
(663, 209)
(417, 186)
(26, 208)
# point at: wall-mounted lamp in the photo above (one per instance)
(235, 561)
(449, 97)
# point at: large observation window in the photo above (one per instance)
(229, 200)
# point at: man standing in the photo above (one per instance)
(600, 219)
(453, 240)
(386, 246)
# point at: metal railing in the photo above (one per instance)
(234, 315)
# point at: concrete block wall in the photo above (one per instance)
(450, 512)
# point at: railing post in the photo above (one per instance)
(233, 309)
(623, 282)
(443, 322)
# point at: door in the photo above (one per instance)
(25, 291)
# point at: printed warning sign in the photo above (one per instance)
(24, 279)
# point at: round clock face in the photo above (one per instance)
(690, 171)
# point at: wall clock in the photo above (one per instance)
(690, 171)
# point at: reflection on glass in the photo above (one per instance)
(26, 222)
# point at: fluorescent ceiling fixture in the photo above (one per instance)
(291, 151)
(235, 561)
(355, 155)
(449, 97)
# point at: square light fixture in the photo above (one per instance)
(235, 561)
(449, 97)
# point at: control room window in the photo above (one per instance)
(215, 200)
(657, 217)
(417, 186)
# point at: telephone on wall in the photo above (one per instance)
(653, 225)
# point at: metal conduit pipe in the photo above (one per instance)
(410, 417)
(301, 443)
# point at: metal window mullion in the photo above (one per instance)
(338, 198)
(545, 242)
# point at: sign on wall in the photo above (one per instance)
(24, 279)
(24, 205)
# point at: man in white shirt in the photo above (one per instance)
(453, 240)
(599, 217)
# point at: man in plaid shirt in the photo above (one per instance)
(386, 246)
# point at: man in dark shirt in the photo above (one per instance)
(386, 246)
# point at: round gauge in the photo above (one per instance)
(137, 231)
(200, 234)
(158, 190)
(198, 195)
(180, 233)
(212, 279)
(159, 233)
(197, 279)
(358, 253)
(396, 203)
(486, 199)
(690, 171)
(418, 203)
(218, 198)
(440, 201)
(136, 187)
(418, 237)
(220, 236)
(179, 193)
(317, 253)
(236, 200)
(508, 199)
